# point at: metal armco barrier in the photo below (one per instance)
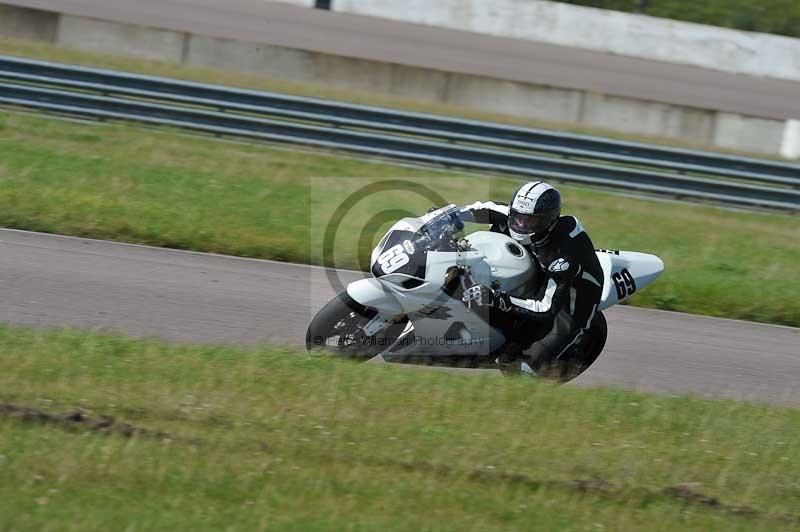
(110, 95)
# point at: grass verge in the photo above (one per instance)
(269, 439)
(49, 52)
(772, 16)
(159, 188)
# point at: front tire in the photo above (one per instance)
(338, 330)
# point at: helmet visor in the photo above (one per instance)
(528, 224)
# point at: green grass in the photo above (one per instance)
(768, 16)
(49, 52)
(160, 188)
(274, 439)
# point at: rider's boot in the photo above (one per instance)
(512, 361)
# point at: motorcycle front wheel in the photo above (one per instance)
(337, 329)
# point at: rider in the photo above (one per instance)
(564, 304)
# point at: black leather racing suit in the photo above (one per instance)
(563, 304)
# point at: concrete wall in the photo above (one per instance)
(648, 118)
(516, 99)
(304, 3)
(733, 131)
(272, 61)
(641, 36)
(564, 106)
(791, 140)
(491, 95)
(523, 100)
(25, 23)
(115, 38)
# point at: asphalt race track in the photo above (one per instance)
(442, 49)
(54, 281)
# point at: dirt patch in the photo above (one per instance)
(76, 421)
(687, 492)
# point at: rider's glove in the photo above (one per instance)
(483, 296)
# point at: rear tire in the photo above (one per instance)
(578, 360)
(590, 348)
(337, 330)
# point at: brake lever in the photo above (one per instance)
(464, 286)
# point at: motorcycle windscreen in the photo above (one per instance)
(399, 255)
(405, 252)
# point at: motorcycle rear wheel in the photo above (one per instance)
(588, 351)
(337, 329)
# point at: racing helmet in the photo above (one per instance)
(533, 211)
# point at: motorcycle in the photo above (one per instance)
(411, 310)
